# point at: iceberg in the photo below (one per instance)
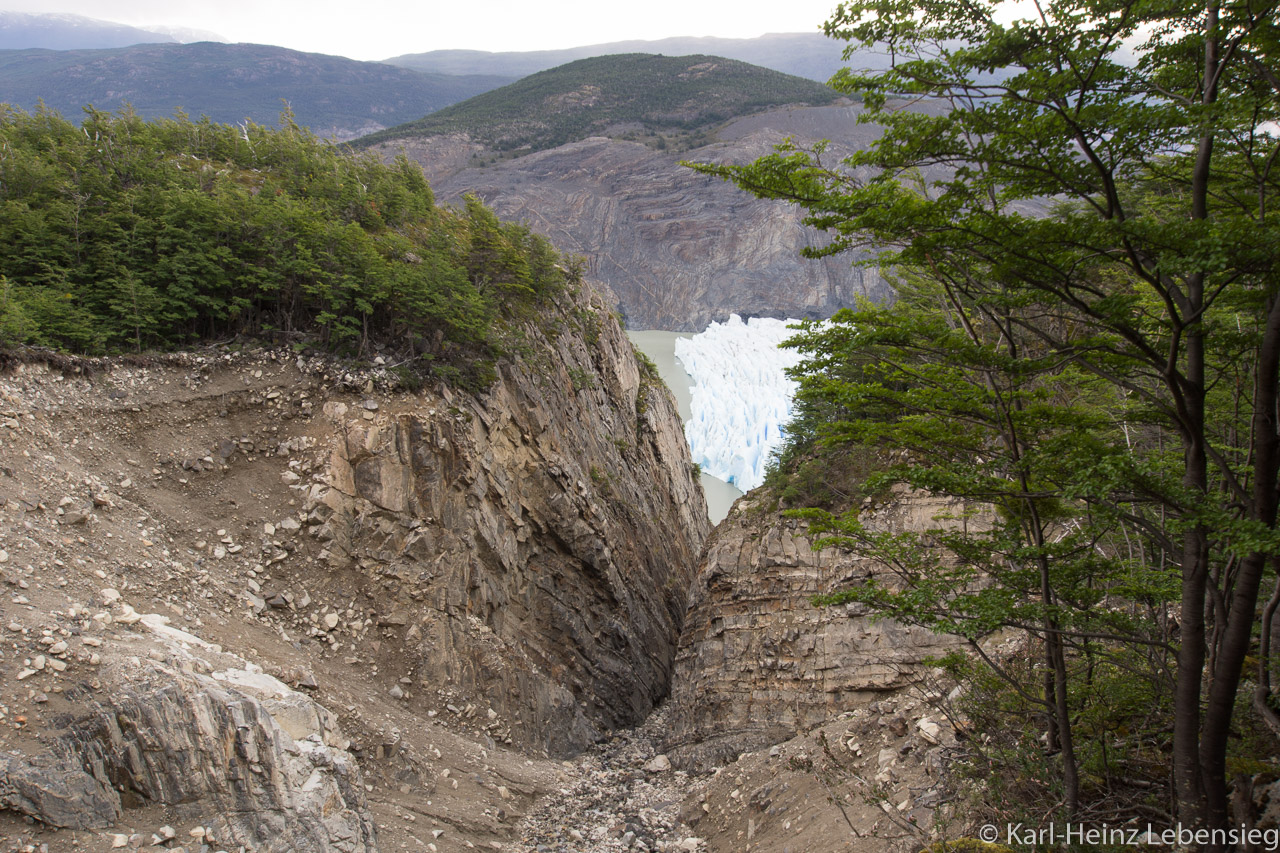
(741, 396)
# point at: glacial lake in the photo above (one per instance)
(660, 347)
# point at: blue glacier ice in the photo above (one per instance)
(741, 396)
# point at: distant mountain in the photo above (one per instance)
(334, 96)
(677, 248)
(601, 177)
(666, 100)
(810, 55)
(19, 30)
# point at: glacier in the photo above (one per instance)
(741, 396)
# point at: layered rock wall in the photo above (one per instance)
(467, 580)
(758, 662)
(209, 736)
(533, 545)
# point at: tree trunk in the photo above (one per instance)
(1242, 612)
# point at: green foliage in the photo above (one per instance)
(125, 234)
(648, 370)
(582, 379)
(1095, 385)
(637, 94)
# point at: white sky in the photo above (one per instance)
(378, 29)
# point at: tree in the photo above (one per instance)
(1100, 181)
(125, 233)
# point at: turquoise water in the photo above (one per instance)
(660, 346)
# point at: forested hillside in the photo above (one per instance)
(640, 95)
(124, 234)
(332, 95)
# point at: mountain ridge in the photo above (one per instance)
(809, 55)
(63, 31)
(336, 97)
(633, 95)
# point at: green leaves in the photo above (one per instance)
(127, 234)
(1087, 340)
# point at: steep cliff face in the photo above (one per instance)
(758, 662)
(678, 249)
(537, 542)
(387, 606)
(823, 726)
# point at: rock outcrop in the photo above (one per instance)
(759, 663)
(679, 249)
(250, 760)
(824, 728)
(466, 582)
(533, 545)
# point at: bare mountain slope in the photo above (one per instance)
(678, 249)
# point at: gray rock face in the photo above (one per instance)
(57, 791)
(758, 663)
(678, 249)
(537, 541)
(260, 764)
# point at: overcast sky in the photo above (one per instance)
(378, 29)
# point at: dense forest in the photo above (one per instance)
(606, 95)
(1098, 387)
(123, 234)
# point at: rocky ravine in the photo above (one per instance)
(259, 601)
(822, 726)
(678, 249)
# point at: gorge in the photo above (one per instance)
(369, 614)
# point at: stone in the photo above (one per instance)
(396, 692)
(757, 663)
(330, 621)
(57, 792)
(750, 248)
(658, 764)
(929, 730)
(183, 724)
(127, 615)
